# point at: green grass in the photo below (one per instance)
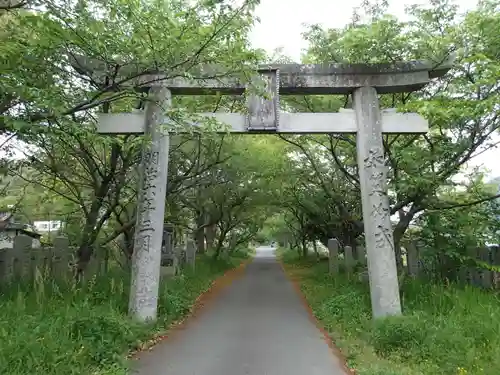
(51, 329)
(445, 329)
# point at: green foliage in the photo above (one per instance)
(445, 329)
(175, 37)
(56, 329)
(447, 235)
(323, 201)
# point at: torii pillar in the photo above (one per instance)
(379, 241)
(367, 121)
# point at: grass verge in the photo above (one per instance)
(445, 329)
(57, 329)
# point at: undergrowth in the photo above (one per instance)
(49, 328)
(445, 329)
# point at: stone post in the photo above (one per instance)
(59, 265)
(40, 263)
(180, 254)
(146, 259)
(23, 268)
(6, 264)
(485, 274)
(361, 255)
(382, 270)
(412, 258)
(191, 253)
(495, 256)
(333, 256)
(348, 259)
(474, 278)
(169, 262)
(167, 245)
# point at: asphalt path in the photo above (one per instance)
(257, 326)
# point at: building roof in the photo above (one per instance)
(7, 224)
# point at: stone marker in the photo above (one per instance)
(361, 255)
(412, 258)
(23, 268)
(146, 259)
(60, 258)
(191, 253)
(180, 254)
(168, 257)
(6, 264)
(333, 256)
(169, 261)
(348, 259)
(473, 278)
(495, 256)
(485, 274)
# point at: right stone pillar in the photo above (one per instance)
(382, 270)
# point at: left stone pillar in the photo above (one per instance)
(146, 259)
(382, 271)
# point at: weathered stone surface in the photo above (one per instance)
(180, 254)
(167, 248)
(23, 263)
(382, 269)
(6, 264)
(361, 254)
(473, 272)
(295, 79)
(348, 259)
(191, 253)
(412, 258)
(264, 111)
(293, 123)
(333, 255)
(485, 274)
(146, 260)
(168, 271)
(60, 257)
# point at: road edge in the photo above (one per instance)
(326, 336)
(217, 286)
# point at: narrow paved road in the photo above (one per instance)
(257, 326)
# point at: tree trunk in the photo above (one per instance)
(200, 234)
(89, 236)
(304, 248)
(210, 233)
(399, 231)
(220, 243)
(315, 246)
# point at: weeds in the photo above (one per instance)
(445, 329)
(55, 328)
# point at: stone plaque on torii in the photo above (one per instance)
(366, 119)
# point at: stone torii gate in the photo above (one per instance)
(366, 119)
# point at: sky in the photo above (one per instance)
(282, 22)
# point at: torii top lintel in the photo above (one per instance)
(293, 79)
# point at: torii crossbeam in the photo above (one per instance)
(264, 116)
